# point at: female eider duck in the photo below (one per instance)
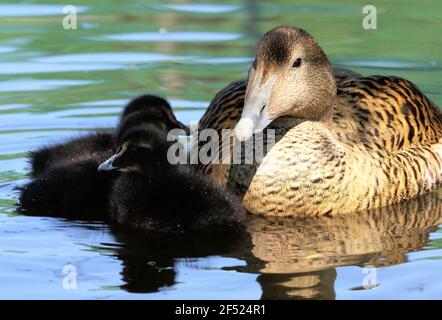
(152, 195)
(64, 177)
(342, 145)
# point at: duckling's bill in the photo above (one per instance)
(108, 164)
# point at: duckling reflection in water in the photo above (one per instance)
(151, 194)
(65, 180)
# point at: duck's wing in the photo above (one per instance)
(390, 113)
(392, 131)
(223, 112)
(225, 108)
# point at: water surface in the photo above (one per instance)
(56, 83)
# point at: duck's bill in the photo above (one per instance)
(251, 124)
(254, 116)
(108, 164)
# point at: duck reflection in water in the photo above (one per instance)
(295, 258)
(149, 260)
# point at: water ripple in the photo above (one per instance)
(33, 10)
(34, 67)
(200, 8)
(111, 57)
(39, 84)
(166, 36)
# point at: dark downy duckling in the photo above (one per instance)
(151, 194)
(152, 105)
(72, 190)
(144, 109)
(93, 145)
(65, 180)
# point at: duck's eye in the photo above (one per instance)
(297, 63)
(254, 64)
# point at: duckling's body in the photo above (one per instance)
(93, 145)
(150, 194)
(64, 178)
(175, 201)
(374, 143)
(70, 191)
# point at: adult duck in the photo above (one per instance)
(343, 144)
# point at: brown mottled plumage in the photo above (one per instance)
(343, 144)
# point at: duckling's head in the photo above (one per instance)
(150, 108)
(291, 76)
(156, 117)
(141, 149)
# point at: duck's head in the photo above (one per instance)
(141, 149)
(291, 76)
(150, 108)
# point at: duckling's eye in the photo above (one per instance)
(254, 64)
(297, 63)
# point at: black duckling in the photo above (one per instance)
(151, 194)
(77, 150)
(144, 109)
(149, 109)
(65, 180)
(153, 105)
(72, 190)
